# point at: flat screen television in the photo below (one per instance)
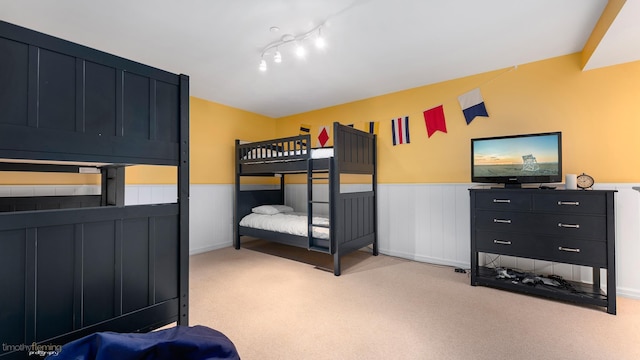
(517, 159)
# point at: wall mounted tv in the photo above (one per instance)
(517, 159)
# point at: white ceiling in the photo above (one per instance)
(374, 47)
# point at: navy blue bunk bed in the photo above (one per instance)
(352, 222)
(71, 266)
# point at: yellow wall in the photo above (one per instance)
(35, 178)
(214, 129)
(596, 110)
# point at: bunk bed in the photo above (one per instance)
(352, 216)
(71, 266)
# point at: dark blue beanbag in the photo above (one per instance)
(180, 342)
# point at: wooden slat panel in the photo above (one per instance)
(13, 280)
(14, 72)
(136, 106)
(100, 100)
(56, 91)
(98, 257)
(166, 275)
(135, 263)
(167, 112)
(55, 281)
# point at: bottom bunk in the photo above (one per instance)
(350, 226)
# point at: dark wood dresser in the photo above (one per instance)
(566, 226)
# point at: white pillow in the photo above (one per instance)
(271, 209)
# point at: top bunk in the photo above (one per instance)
(61, 101)
(353, 152)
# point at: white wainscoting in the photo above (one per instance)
(421, 222)
(150, 194)
(48, 190)
(210, 217)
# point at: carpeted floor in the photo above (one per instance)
(273, 307)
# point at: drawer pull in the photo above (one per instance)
(572, 226)
(562, 248)
(501, 242)
(505, 201)
(576, 203)
(502, 221)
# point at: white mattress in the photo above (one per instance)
(290, 223)
(265, 154)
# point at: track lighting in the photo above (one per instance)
(298, 40)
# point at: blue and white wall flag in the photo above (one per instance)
(472, 105)
(400, 130)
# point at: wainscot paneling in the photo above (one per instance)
(210, 217)
(421, 222)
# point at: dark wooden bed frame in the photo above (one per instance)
(74, 265)
(352, 215)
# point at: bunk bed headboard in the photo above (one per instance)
(79, 104)
(96, 268)
(354, 150)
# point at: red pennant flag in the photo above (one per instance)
(323, 136)
(434, 120)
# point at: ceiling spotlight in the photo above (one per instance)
(300, 51)
(277, 57)
(263, 65)
(320, 43)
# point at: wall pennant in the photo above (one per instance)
(305, 129)
(472, 105)
(323, 136)
(373, 127)
(400, 130)
(434, 120)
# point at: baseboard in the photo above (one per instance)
(210, 248)
(629, 293)
(425, 259)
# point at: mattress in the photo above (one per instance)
(293, 223)
(267, 155)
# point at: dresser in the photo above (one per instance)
(565, 226)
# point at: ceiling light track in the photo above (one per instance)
(287, 39)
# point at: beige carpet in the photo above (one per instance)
(388, 308)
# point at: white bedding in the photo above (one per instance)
(267, 154)
(290, 223)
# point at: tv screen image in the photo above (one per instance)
(517, 159)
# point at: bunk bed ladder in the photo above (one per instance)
(316, 177)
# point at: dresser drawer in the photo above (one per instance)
(578, 251)
(514, 244)
(511, 200)
(549, 248)
(572, 226)
(591, 227)
(504, 221)
(575, 202)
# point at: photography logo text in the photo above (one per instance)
(34, 349)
